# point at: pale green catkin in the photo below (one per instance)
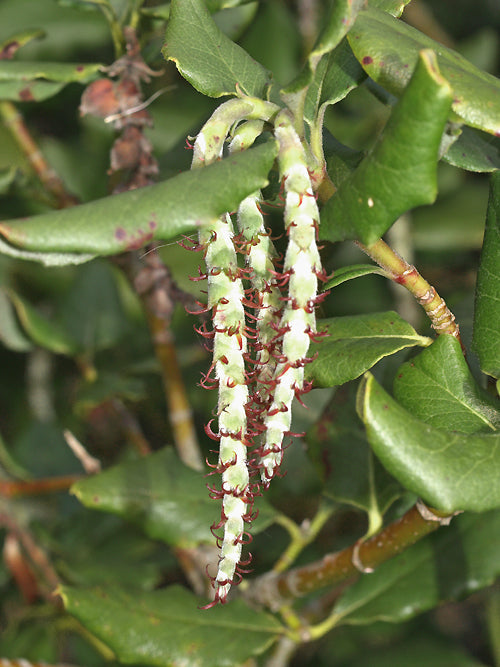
(225, 297)
(303, 264)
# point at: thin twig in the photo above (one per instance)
(35, 553)
(301, 536)
(48, 177)
(179, 409)
(90, 464)
(35, 487)
(282, 652)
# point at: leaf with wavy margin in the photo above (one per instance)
(388, 50)
(166, 628)
(132, 219)
(206, 57)
(451, 471)
(400, 171)
(486, 339)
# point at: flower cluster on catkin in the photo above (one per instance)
(260, 336)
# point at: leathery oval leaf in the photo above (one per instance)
(168, 500)
(355, 343)
(206, 57)
(400, 171)
(486, 338)
(388, 51)
(129, 220)
(438, 387)
(451, 471)
(165, 628)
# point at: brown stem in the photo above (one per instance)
(48, 177)
(179, 409)
(11, 489)
(275, 590)
(36, 554)
(158, 293)
(442, 319)
(20, 569)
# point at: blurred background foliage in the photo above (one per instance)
(76, 351)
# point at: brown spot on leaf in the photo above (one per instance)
(9, 49)
(367, 60)
(25, 95)
(135, 240)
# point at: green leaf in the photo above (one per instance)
(449, 470)
(438, 388)
(486, 339)
(163, 11)
(400, 172)
(9, 46)
(389, 49)
(166, 499)
(474, 151)
(166, 628)
(340, 21)
(356, 343)
(92, 312)
(394, 7)
(43, 332)
(11, 333)
(105, 387)
(452, 563)
(61, 72)
(340, 452)
(346, 273)
(34, 91)
(205, 57)
(331, 70)
(45, 258)
(10, 177)
(29, 82)
(341, 160)
(109, 552)
(132, 219)
(336, 75)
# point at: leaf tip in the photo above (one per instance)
(429, 60)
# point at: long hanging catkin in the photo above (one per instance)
(225, 299)
(302, 266)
